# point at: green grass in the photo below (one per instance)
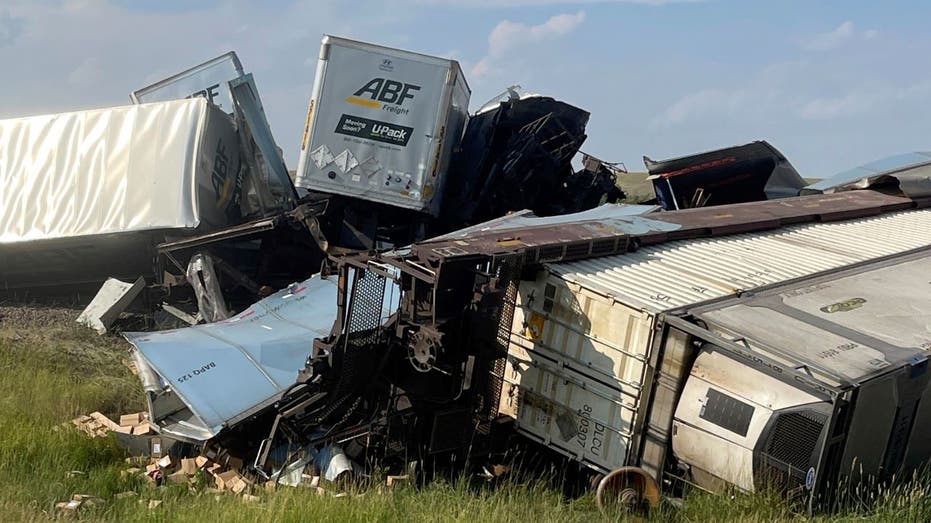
(53, 371)
(637, 187)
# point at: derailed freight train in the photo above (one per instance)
(751, 357)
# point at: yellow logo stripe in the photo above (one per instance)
(363, 102)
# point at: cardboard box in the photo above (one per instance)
(226, 480)
(130, 420)
(167, 462)
(68, 505)
(103, 420)
(201, 461)
(178, 477)
(189, 466)
(239, 485)
(142, 429)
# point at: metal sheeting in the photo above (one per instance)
(675, 274)
(575, 370)
(863, 176)
(848, 326)
(115, 170)
(222, 371)
(526, 218)
(225, 371)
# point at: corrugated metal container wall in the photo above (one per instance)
(575, 366)
(579, 363)
(674, 274)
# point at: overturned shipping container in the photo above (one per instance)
(86, 195)
(602, 350)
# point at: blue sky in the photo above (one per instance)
(831, 84)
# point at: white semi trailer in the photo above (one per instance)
(382, 124)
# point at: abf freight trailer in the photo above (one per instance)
(86, 195)
(382, 124)
(796, 357)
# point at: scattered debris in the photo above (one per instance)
(753, 172)
(77, 501)
(95, 424)
(203, 279)
(443, 279)
(906, 174)
(111, 300)
(200, 380)
(517, 155)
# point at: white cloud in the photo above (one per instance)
(863, 101)
(828, 108)
(718, 104)
(508, 35)
(841, 35)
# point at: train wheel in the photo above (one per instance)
(627, 490)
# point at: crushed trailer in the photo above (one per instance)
(603, 342)
(745, 344)
(755, 171)
(84, 195)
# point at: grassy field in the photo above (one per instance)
(53, 371)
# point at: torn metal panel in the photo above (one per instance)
(587, 239)
(208, 80)
(201, 275)
(266, 187)
(752, 172)
(515, 156)
(271, 167)
(223, 371)
(211, 376)
(112, 299)
(908, 174)
(526, 218)
(229, 233)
